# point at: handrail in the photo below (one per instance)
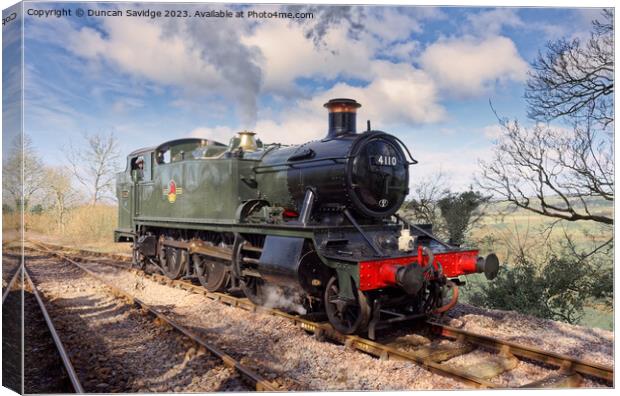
(292, 164)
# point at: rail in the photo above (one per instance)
(75, 382)
(9, 286)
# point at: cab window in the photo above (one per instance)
(141, 168)
(163, 157)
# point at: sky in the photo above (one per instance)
(424, 74)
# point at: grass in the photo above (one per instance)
(88, 227)
(601, 319)
(502, 228)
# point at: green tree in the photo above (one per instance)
(459, 211)
(37, 209)
(561, 172)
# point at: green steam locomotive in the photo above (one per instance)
(315, 222)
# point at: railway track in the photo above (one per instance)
(46, 367)
(11, 273)
(249, 377)
(436, 353)
(76, 385)
(11, 284)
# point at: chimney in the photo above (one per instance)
(341, 117)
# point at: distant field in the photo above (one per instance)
(503, 228)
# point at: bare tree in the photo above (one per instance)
(555, 171)
(425, 195)
(94, 164)
(60, 193)
(22, 175)
(575, 79)
(552, 171)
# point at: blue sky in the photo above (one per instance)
(424, 74)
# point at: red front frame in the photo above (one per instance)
(377, 274)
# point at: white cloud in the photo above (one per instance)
(391, 24)
(398, 94)
(493, 22)
(460, 164)
(487, 23)
(174, 55)
(467, 67)
(198, 61)
(181, 56)
(141, 48)
(287, 54)
(124, 105)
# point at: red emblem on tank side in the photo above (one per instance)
(172, 191)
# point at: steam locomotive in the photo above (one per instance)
(316, 222)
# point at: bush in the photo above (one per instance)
(557, 287)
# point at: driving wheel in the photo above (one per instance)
(252, 287)
(212, 275)
(174, 262)
(348, 316)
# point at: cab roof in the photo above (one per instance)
(176, 142)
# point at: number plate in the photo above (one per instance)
(385, 160)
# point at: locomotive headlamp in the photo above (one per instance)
(342, 114)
